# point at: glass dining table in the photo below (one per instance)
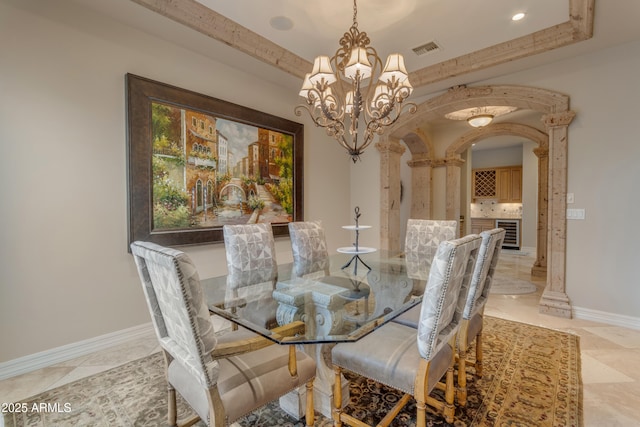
(338, 302)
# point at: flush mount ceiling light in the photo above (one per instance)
(518, 16)
(480, 120)
(480, 116)
(361, 98)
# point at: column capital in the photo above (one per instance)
(449, 161)
(390, 145)
(419, 161)
(453, 161)
(561, 119)
(541, 152)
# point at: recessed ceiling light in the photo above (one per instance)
(281, 23)
(518, 16)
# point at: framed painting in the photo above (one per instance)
(196, 163)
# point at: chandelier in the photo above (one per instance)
(347, 101)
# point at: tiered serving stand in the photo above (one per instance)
(356, 249)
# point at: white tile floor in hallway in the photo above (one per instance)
(610, 355)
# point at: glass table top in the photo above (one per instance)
(338, 302)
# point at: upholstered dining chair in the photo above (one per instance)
(309, 247)
(252, 271)
(472, 317)
(424, 235)
(473, 314)
(412, 360)
(221, 377)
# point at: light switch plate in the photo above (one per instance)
(575, 213)
(570, 198)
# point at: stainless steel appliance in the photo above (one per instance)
(512, 236)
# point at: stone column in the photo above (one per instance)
(420, 187)
(390, 154)
(453, 165)
(539, 268)
(554, 300)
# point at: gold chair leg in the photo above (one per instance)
(449, 409)
(310, 414)
(479, 355)
(216, 409)
(172, 414)
(337, 397)
(421, 414)
(462, 378)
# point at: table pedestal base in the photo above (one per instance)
(294, 403)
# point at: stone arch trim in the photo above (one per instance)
(419, 144)
(461, 97)
(554, 107)
(498, 129)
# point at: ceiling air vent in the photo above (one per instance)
(432, 46)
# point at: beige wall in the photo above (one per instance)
(496, 157)
(65, 274)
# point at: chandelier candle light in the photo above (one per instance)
(350, 95)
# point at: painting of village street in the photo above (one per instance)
(208, 172)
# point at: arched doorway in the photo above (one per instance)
(542, 152)
(556, 117)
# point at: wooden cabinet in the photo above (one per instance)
(478, 225)
(510, 185)
(503, 184)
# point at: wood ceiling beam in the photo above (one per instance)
(579, 27)
(212, 24)
(195, 15)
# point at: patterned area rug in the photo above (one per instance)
(531, 378)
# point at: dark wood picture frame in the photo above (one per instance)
(141, 94)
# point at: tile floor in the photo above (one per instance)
(610, 355)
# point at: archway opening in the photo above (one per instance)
(556, 116)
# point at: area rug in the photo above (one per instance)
(504, 285)
(531, 378)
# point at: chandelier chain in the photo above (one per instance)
(355, 14)
(360, 98)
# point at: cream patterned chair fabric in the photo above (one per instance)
(219, 389)
(251, 247)
(415, 360)
(473, 315)
(309, 247)
(424, 235)
(421, 242)
(252, 270)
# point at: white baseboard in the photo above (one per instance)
(608, 318)
(31, 362)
